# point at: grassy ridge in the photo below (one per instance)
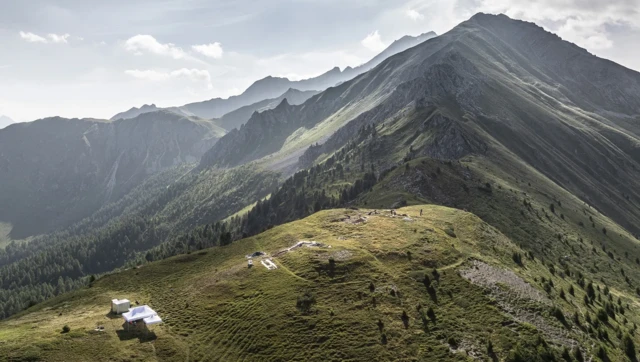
(215, 308)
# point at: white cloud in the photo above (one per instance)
(591, 35)
(146, 43)
(60, 39)
(213, 50)
(195, 75)
(373, 42)
(32, 38)
(50, 38)
(414, 15)
(587, 23)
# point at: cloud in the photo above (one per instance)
(32, 38)
(146, 43)
(50, 38)
(414, 15)
(213, 50)
(59, 39)
(588, 23)
(195, 75)
(586, 33)
(373, 42)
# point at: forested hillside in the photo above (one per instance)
(529, 144)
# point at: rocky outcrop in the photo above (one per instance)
(240, 116)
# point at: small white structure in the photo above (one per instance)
(269, 264)
(120, 305)
(142, 313)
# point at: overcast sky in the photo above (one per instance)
(86, 58)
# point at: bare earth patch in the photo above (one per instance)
(508, 289)
(486, 276)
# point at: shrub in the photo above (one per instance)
(431, 314)
(517, 258)
(490, 351)
(453, 342)
(602, 353)
(577, 354)
(305, 301)
(629, 347)
(66, 329)
(556, 312)
(602, 315)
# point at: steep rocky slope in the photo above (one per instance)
(512, 85)
(237, 118)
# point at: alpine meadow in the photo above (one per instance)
(466, 195)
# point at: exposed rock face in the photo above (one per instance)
(509, 85)
(450, 141)
(55, 171)
(240, 116)
(266, 132)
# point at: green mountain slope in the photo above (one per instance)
(533, 135)
(161, 210)
(374, 294)
(57, 171)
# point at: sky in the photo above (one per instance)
(89, 58)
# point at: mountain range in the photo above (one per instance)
(474, 196)
(56, 171)
(511, 84)
(275, 87)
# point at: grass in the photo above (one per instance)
(215, 308)
(564, 241)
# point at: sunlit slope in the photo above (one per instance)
(372, 295)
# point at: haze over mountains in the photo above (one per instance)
(56, 171)
(5, 121)
(275, 87)
(534, 137)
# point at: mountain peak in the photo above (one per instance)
(487, 16)
(283, 104)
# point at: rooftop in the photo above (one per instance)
(138, 313)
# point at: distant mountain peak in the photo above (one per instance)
(271, 87)
(5, 121)
(283, 104)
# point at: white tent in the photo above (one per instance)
(142, 313)
(120, 305)
(138, 313)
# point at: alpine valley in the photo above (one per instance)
(473, 195)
